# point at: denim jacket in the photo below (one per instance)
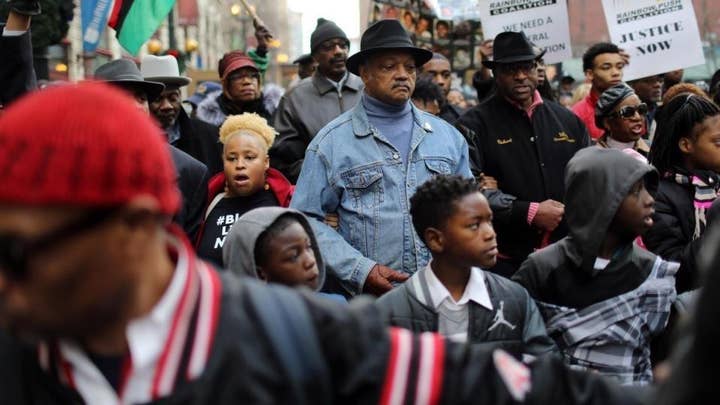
(352, 170)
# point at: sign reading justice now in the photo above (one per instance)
(659, 35)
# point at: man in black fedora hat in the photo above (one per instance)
(306, 108)
(192, 175)
(366, 164)
(523, 142)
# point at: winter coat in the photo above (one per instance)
(317, 352)
(527, 157)
(408, 306)
(696, 357)
(673, 228)
(303, 112)
(450, 113)
(211, 111)
(201, 141)
(192, 178)
(17, 76)
(585, 110)
(602, 319)
(239, 247)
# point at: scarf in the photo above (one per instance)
(706, 192)
(230, 107)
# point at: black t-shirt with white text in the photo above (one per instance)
(223, 216)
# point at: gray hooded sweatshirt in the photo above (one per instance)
(239, 247)
(596, 182)
(602, 320)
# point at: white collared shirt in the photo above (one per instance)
(600, 263)
(146, 336)
(453, 315)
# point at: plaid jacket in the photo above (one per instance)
(613, 336)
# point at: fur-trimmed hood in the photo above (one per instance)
(210, 110)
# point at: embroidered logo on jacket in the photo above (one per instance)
(563, 137)
(499, 319)
(504, 141)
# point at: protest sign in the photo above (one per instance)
(659, 35)
(455, 9)
(545, 22)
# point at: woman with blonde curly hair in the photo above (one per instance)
(247, 181)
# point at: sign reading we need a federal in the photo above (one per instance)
(544, 22)
(659, 35)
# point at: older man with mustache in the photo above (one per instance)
(315, 101)
(366, 164)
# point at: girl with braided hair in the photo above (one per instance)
(686, 153)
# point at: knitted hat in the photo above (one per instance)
(84, 145)
(609, 99)
(233, 61)
(325, 30)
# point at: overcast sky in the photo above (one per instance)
(344, 13)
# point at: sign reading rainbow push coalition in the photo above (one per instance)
(545, 22)
(659, 35)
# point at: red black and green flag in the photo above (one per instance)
(136, 20)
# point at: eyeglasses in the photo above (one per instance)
(251, 74)
(15, 250)
(629, 111)
(514, 68)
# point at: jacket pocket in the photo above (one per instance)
(365, 193)
(438, 166)
(366, 188)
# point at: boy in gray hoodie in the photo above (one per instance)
(602, 296)
(276, 245)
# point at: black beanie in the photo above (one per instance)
(609, 99)
(325, 30)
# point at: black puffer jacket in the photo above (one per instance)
(671, 234)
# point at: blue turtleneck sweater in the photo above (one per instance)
(394, 122)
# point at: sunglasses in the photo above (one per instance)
(15, 251)
(629, 111)
(514, 68)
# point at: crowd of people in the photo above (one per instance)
(358, 238)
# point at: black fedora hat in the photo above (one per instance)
(386, 35)
(511, 47)
(124, 72)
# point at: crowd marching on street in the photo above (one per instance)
(360, 237)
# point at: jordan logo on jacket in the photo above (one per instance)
(499, 319)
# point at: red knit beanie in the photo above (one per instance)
(83, 145)
(233, 61)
